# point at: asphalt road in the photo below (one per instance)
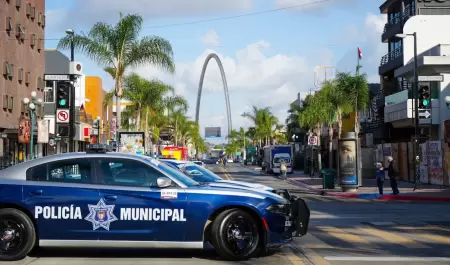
(358, 231)
(341, 232)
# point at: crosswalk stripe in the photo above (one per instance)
(393, 238)
(290, 255)
(343, 235)
(428, 227)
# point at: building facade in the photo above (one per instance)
(425, 19)
(22, 59)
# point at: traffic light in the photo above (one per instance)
(424, 96)
(63, 95)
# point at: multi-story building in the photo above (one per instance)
(22, 61)
(424, 18)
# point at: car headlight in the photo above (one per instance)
(284, 209)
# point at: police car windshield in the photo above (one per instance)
(178, 175)
(200, 174)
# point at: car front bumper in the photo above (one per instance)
(299, 216)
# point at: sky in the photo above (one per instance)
(270, 49)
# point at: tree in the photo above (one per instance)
(264, 123)
(118, 48)
(356, 90)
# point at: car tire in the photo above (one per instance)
(24, 240)
(225, 224)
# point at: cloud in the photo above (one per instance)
(85, 13)
(211, 38)
(253, 78)
(368, 37)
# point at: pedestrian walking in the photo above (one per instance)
(392, 174)
(283, 168)
(379, 175)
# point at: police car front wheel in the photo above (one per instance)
(17, 234)
(235, 235)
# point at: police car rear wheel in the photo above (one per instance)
(235, 235)
(17, 235)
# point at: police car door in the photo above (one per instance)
(58, 194)
(138, 211)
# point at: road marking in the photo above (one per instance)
(393, 238)
(436, 238)
(428, 227)
(290, 255)
(410, 259)
(343, 235)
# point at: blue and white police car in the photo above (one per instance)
(101, 199)
(203, 175)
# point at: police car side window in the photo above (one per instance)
(127, 172)
(71, 170)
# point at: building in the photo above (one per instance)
(425, 19)
(22, 59)
(94, 107)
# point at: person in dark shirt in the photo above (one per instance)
(392, 175)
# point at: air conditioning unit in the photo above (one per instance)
(75, 68)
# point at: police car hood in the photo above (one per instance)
(244, 184)
(233, 189)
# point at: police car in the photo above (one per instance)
(204, 175)
(101, 199)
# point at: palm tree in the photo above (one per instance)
(356, 90)
(118, 48)
(264, 122)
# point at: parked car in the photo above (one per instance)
(102, 199)
(204, 175)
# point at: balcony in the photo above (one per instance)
(395, 26)
(391, 61)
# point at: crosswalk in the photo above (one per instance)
(380, 237)
(319, 198)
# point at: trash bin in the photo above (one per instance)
(328, 178)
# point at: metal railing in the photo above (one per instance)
(391, 55)
(399, 18)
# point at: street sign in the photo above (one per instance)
(312, 140)
(57, 77)
(51, 142)
(62, 116)
(424, 113)
(431, 78)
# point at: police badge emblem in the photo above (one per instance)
(101, 215)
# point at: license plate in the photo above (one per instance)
(288, 223)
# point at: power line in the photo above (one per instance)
(221, 18)
(239, 16)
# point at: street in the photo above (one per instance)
(341, 231)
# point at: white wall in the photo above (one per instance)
(80, 91)
(430, 31)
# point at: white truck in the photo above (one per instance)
(273, 154)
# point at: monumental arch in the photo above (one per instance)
(225, 88)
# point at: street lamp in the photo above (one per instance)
(71, 33)
(32, 111)
(447, 101)
(416, 105)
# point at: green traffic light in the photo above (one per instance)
(425, 102)
(62, 102)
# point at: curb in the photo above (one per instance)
(371, 196)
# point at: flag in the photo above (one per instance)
(360, 56)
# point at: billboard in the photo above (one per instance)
(213, 132)
(132, 142)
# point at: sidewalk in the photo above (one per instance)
(369, 189)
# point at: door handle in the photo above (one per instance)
(111, 197)
(36, 192)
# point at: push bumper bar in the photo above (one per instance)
(300, 213)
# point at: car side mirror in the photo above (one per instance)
(163, 182)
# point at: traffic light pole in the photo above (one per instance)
(416, 118)
(72, 102)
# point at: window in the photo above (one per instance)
(49, 92)
(200, 174)
(20, 32)
(27, 78)
(5, 102)
(33, 40)
(71, 171)
(127, 172)
(20, 75)
(18, 3)
(11, 103)
(9, 25)
(177, 174)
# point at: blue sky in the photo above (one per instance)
(268, 58)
